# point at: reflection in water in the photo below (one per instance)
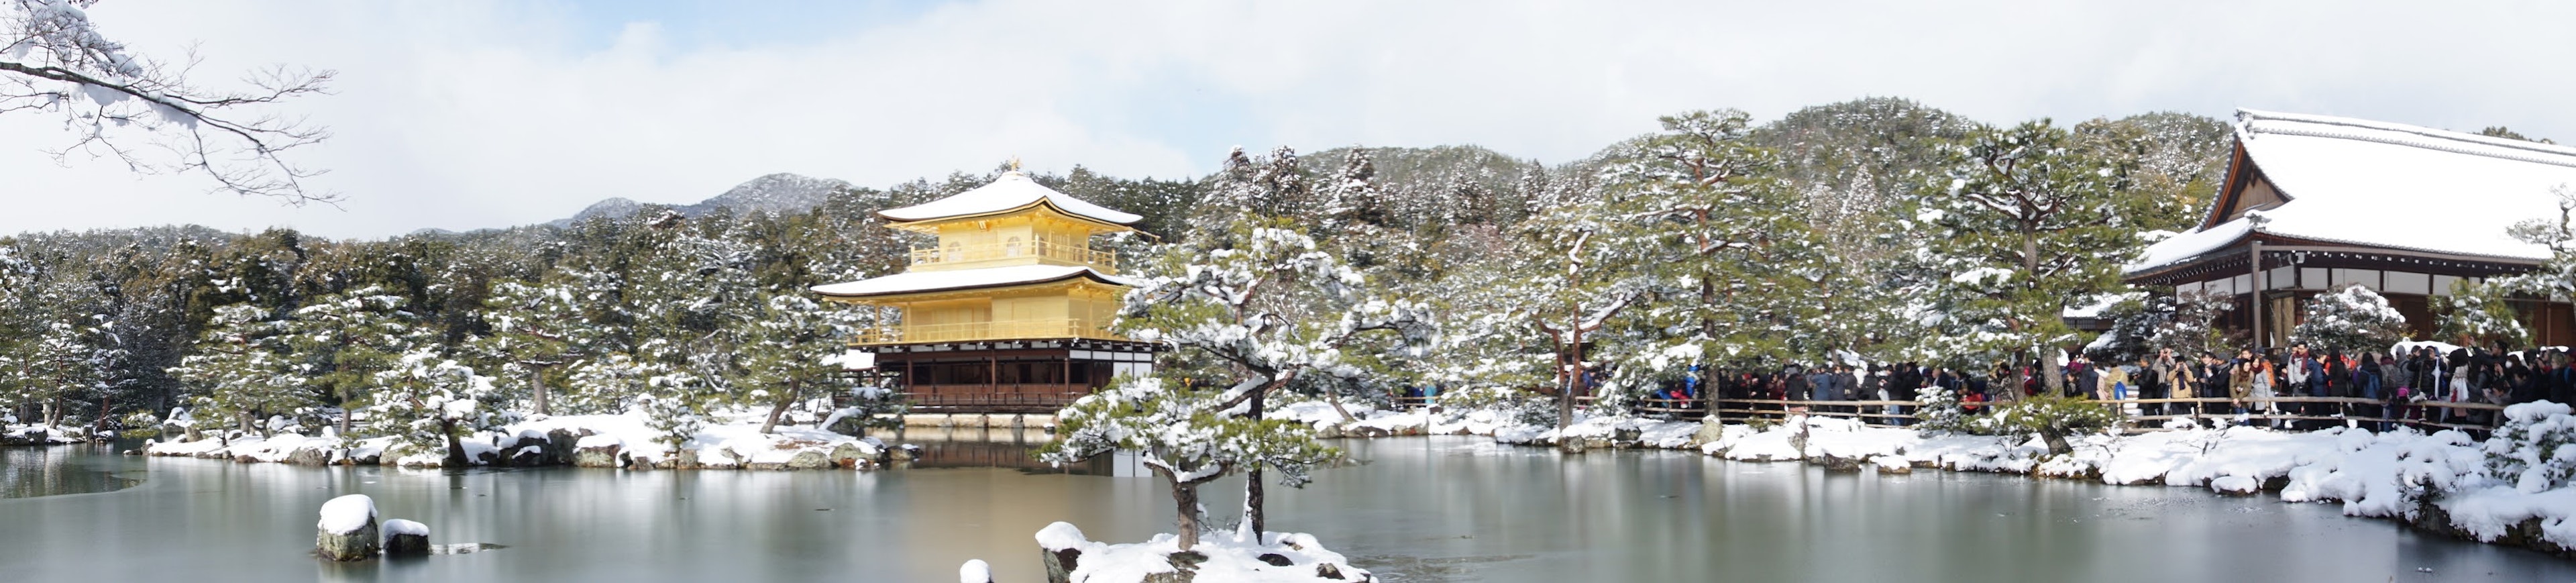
(1436, 509)
(27, 472)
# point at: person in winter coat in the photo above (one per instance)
(2082, 378)
(2114, 385)
(2240, 385)
(2258, 395)
(2159, 382)
(2214, 379)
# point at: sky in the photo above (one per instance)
(468, 114)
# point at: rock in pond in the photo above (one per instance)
(347, 531)
(404, 538)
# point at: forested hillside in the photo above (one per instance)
(1718, 241)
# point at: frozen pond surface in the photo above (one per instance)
(1431, 509)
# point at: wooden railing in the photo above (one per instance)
(2141, 414)
(2428, 415)
(1050, 399)
(1104, 260)
(971, 331)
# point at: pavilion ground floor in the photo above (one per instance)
(1038, 376)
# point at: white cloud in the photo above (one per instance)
(475, 114)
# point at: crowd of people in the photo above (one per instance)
(2264, 388)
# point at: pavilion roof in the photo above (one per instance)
(1012, 191)
(2379, 184)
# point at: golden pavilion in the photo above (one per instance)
(1008, 311)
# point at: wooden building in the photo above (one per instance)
(1008, 311)
(2312, 203)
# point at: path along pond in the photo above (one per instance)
(1415, 509)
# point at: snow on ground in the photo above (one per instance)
(1278, 556)
(731, 442)
(2371, 474)
(12, 434)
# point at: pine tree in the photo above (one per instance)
(535, 328)
(1737, 276)
(2030, 218)
(343, 340)
(433, 403)
(2478, 315)
(788, 350)
(1185, 435)
(239, 369)
(1272, 306)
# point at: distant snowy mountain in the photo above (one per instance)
(776, 193)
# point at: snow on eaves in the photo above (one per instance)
(2387, 185)
(929, 281)
(1013, 190)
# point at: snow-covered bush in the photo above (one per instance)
(2532, 449)
(672, 408)
(2352, 319)
(2050, 415)
(1525, 407)
(1940, 410)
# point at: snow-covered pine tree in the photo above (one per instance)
(1184, 435)
(1573, 275)
(535, 328)
(238, 368)
(2028, 219)
(2555, 279)
(66, 363)
(786, 356)
(342, 340)
(433, 403)
(2478, 314)
(2351, 319)
(1736, 273)
(1264, 299)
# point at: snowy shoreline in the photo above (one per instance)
(2373, 475)
(600, 441)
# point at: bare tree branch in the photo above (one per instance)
(146, 114)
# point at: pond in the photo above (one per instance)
(1418, 509)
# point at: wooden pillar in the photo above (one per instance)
(2254, 261)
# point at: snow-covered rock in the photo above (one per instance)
(404, 538)
(347, 531)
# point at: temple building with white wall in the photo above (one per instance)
(2314, 202)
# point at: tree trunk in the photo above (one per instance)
(455, 447)
(345, 414)
(537, 383)
(2053, 369)
(780, 409)
(1252, 516)
(2056, 440)
(1185, 498)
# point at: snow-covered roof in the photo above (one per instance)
(1012, 191)
(930, 281)
(2390, 185)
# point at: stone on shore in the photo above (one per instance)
(347, 531)
(599, 451)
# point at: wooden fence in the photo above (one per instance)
(2141, 414)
